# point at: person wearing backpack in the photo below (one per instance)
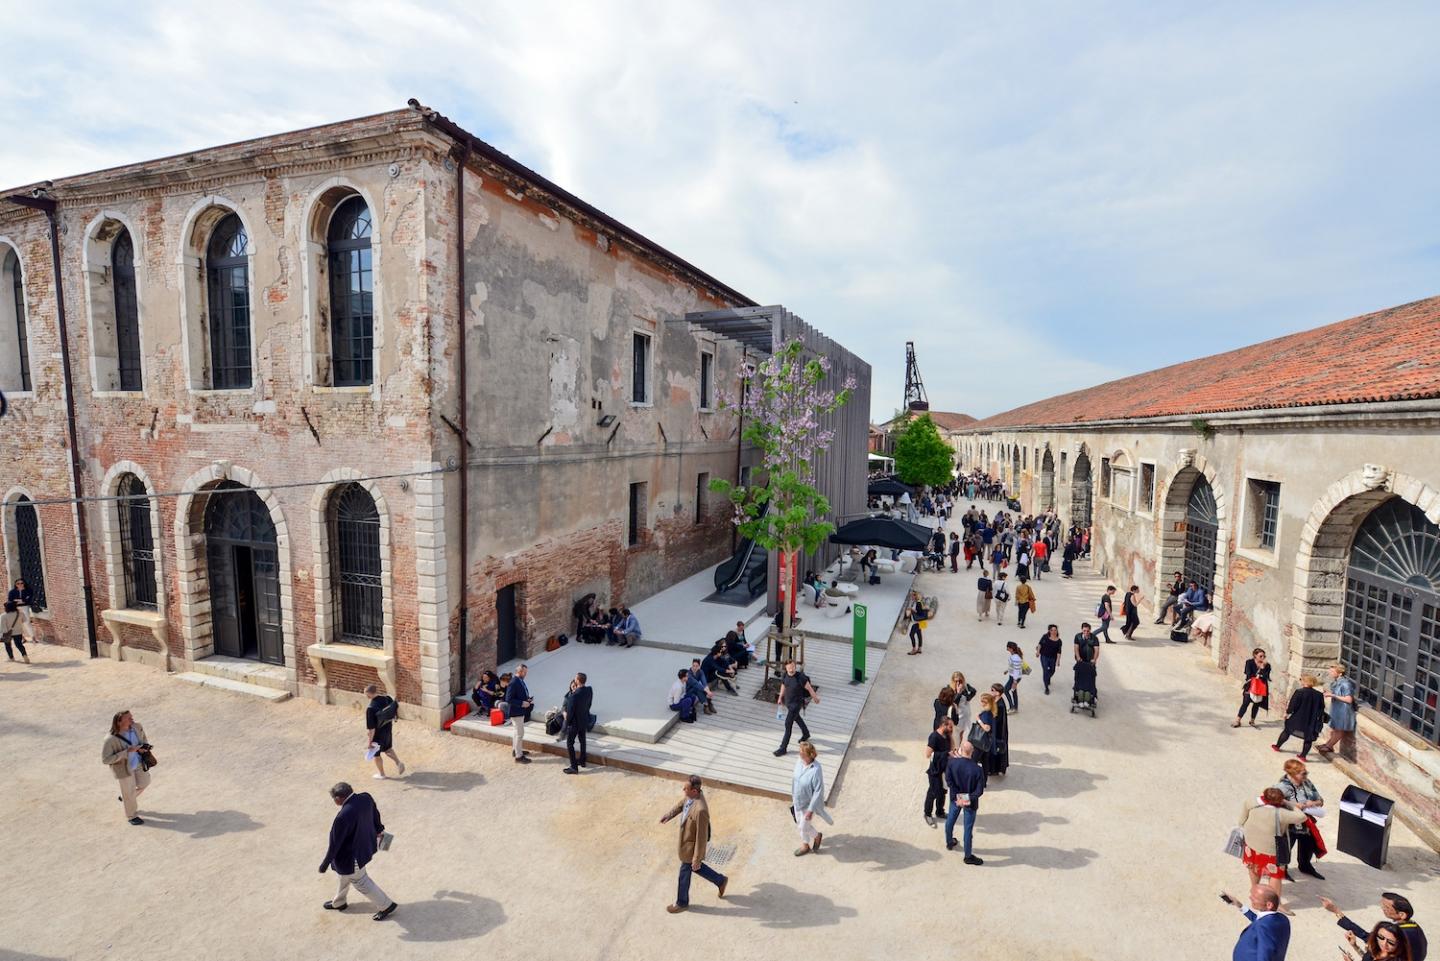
(1002, 597)
(380, 730)
(984, 591)
(1105, 611)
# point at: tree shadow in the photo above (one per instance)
(1053, 782)
(443, 780)
(448, 916)
(885, 853)
(780, 906)
(203, 824)
(1019, 822)
(1039, 856)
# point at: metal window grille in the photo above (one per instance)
(1269, 513)
(702, 495)
(1202, 530)
(228, 273)
(637, 513)
(352, 295)
(707, 374)
(32, 561)
(1390, 640)
(1147, 487)
(640, 374)
(22, 336)
(127, 313)
(137, 545)
(356, 579)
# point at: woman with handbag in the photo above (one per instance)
(1266, 823)
(1342, 712)
(1302, 795)
(960, 709)
(982, 730)
(807, 798)
(1304, 716)
(128, 754)
(15, 624)
(984, 591)
(1014, 670)
(1024, 600)
(998, 759)
(1255, 689)
(1130, 607)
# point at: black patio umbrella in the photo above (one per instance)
(884, 532)
(889, 487)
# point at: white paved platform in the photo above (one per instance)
(679, 616)
(732, 747)
(884, 603)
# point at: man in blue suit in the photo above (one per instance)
(1268, 936)
(354, 836)
(517, 695)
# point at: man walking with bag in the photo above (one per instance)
(380, 730)
(694, 816)
(354, 837)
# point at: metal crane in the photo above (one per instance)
(915, 399)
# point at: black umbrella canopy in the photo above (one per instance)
(884, 532)
(889, 487)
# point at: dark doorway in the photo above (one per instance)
(506, 634)
(244, 573)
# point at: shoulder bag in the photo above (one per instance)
(1282, 842)
(983, 740)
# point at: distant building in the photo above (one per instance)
(1298, 481)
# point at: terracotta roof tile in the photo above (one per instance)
(1389, 355)
(948, 420)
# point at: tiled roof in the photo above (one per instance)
(948, 420)
(1389, 355)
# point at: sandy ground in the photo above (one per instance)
(1102, 842)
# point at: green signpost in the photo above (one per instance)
(858, 657)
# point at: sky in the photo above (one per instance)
(1042, 196)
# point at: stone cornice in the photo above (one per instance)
(1389, 414)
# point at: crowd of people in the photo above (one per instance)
(595, 625)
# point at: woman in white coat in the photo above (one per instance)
(807, 793)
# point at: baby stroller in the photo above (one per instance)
(1085, 696)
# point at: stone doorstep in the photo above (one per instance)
(233, 686)
(243, 671)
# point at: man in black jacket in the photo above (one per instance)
(354, 837)
(965, 778)
(577, 720)
(1396, 908)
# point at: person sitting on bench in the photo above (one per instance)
(717, 667)
(1191, 601)
(868, 568)
(589, 621)
(735, 647)
(487, 693)
(678, 689)
(695, 681)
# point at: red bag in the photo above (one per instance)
(497, 717)
(1258, 687)
(1320, 849)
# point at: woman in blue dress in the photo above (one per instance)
(1341, 702)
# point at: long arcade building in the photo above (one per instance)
(298, 470)
(1298, 481)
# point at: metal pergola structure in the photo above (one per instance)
(760, 329)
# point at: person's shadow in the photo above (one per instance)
(448, 916)
(203, 824)
(884, 853)
(780, 906)
(443, 780)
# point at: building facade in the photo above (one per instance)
(296, 467)
(1298, 481)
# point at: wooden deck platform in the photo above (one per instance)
(734, 746)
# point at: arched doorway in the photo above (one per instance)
(1202, 534)
(1015, 471)
(244, 572)
(1390, 639)
(1080, 491)
(1047, 482)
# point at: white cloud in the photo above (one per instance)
(1040, 197)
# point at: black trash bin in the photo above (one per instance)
(1366, 838)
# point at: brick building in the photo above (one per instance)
(299, 470)
(1298, 481)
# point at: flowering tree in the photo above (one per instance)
(782, 401)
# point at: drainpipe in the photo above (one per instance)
(39, 201)
(464, 387)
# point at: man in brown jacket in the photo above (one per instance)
(694, 836)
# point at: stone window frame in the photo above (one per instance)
(110, 534)
(12, 543)
(316, 213)
(1148, 510)
(1251, 513)
(702, 496)
(704, 404)
(9, 330)
(97, 252)
(190, 260)
(1120, 461)
(637, 514)
(190, 561)
(326, 616)
(650, 345)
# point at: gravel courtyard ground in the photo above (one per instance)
(1103, 841)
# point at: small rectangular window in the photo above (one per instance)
(640, 370)
(707, 381)
(1147, 488)
(702, 495)
(637, 512)
(1263, 514)
(1104, 477)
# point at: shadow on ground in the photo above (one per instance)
(780, 906)
(885, 853)
(444, 780)
(448, 916)
(203, 824)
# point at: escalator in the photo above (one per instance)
(744, 577)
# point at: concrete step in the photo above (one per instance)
(244, 671)
(233, 686)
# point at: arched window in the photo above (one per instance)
(137, 544)
(27, 546)
(355, 567)
(352, 295)
(127, 315)
(14, 334)
(1390, 641)
(1202, 535)
(227, 274)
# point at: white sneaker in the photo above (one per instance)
(379, 777)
